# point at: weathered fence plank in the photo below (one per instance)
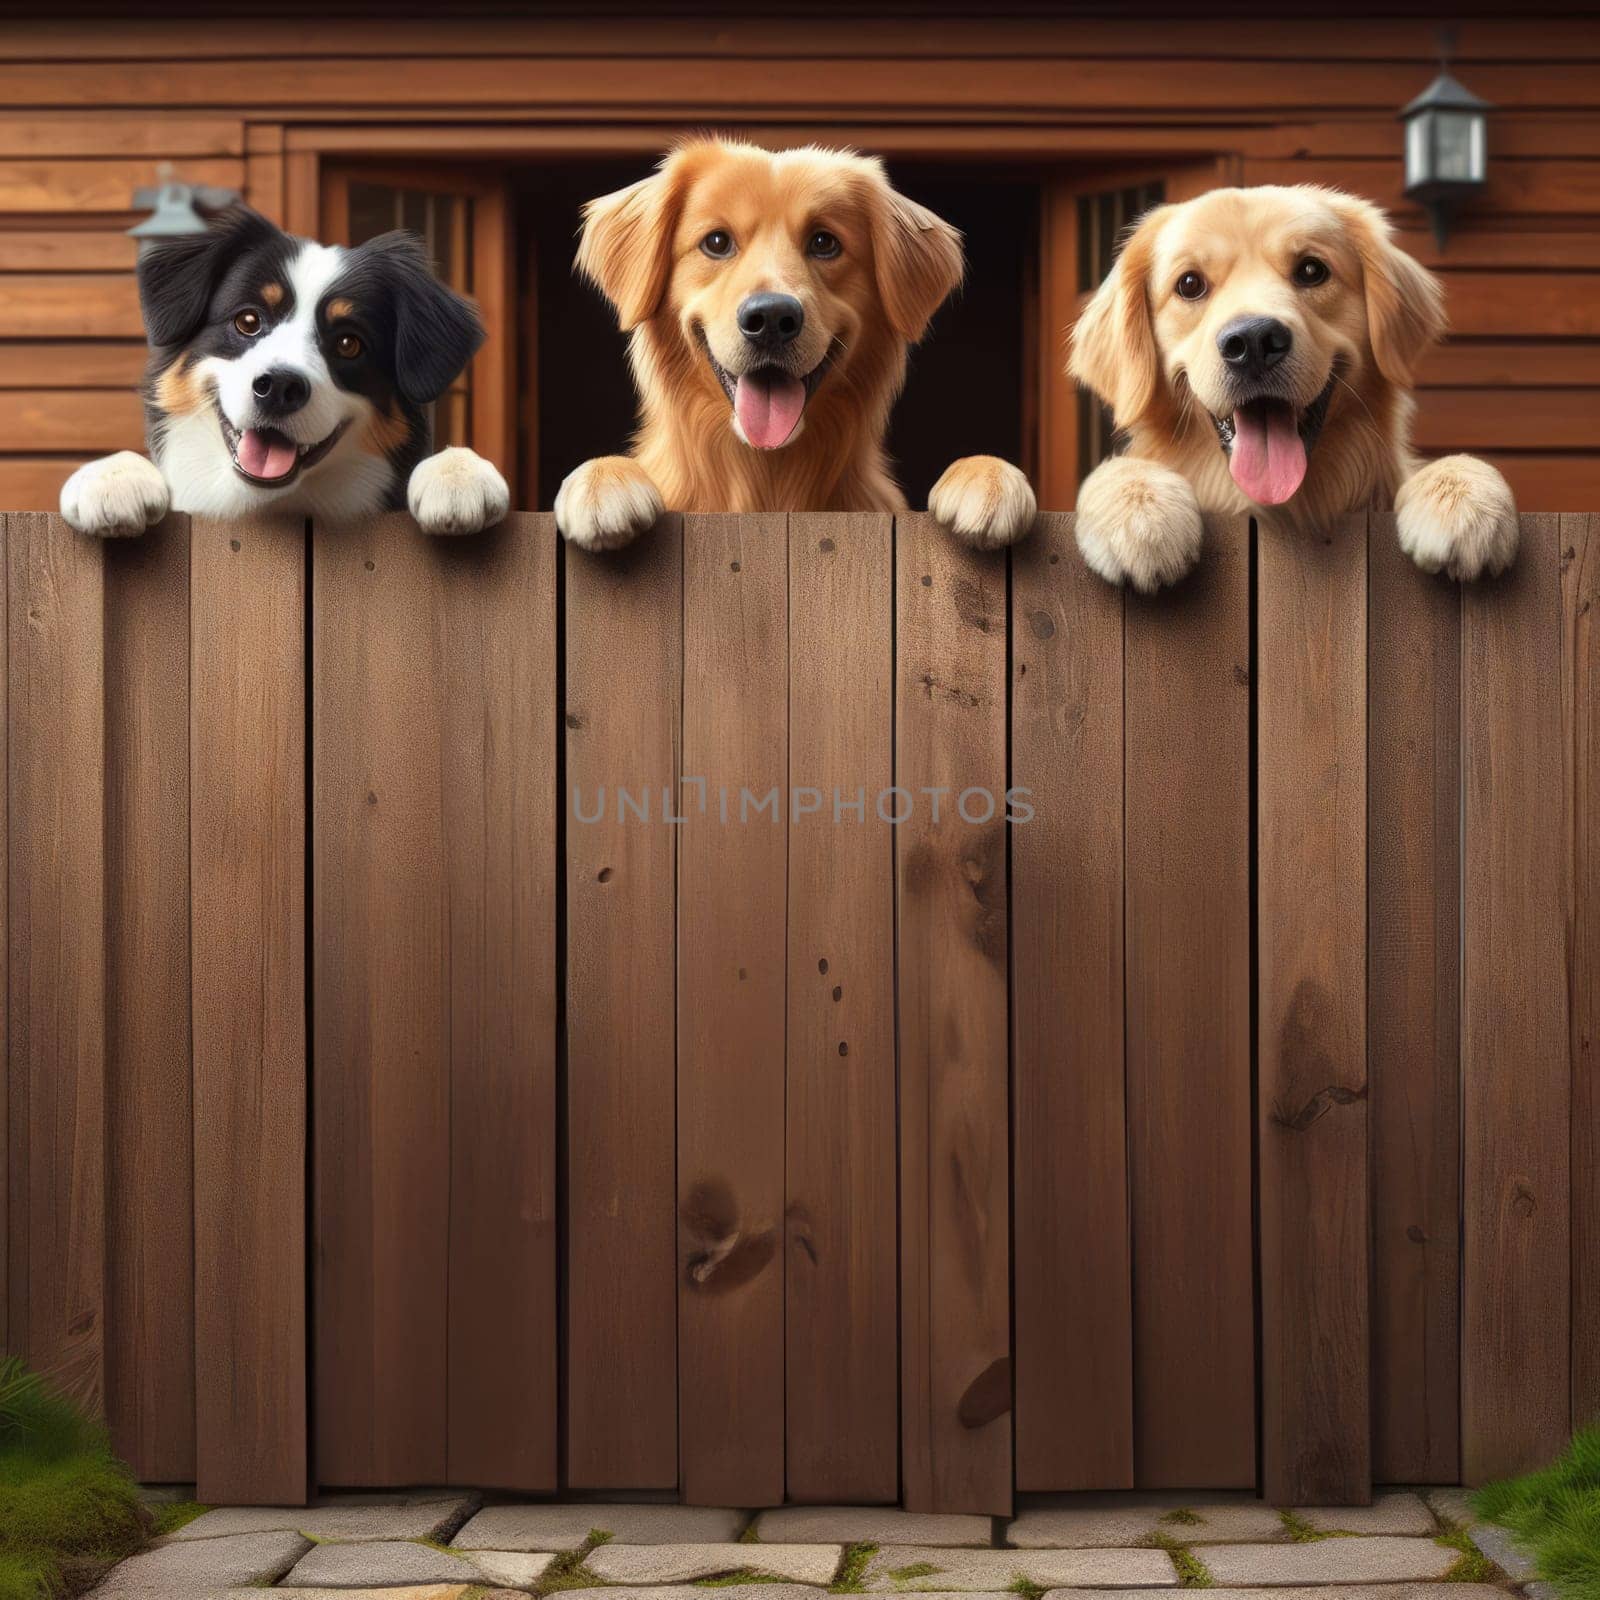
(55, 916)
(731, 1023)
(1516, 1083)
(247, 880)
(1312, 738)
(1074, 1363)
(1188, 694)
(1413, 1011)
(150, 1396)
(950, 736)
(624, 697)
(842, 1433)
(1580, 703)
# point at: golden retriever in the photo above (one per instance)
(1257, 346)
(770, 300)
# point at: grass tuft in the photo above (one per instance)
(1555, 1515)
(853, 1569)
(1471, 1564)
(917, 1569)
(728, 1580)
(1183, 1517)
(1192, 1572)
(1026, 1587)
(569, 1571)
(1301, 1532)
(750, 1536)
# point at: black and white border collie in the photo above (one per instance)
(290, 376)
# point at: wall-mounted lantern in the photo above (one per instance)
(1447, 154)
(176, 208)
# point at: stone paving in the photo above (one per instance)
(443, 1544)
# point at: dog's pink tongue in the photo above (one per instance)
(768, 405)
(265, 457)
(1268, 459)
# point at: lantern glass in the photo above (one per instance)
(1458, 151)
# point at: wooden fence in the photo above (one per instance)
(376, 1116)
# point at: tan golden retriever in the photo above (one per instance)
(1257, 347)
(770, 300)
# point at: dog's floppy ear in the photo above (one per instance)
(1114, 341)
(917, 256)
(1405, 304)
(625, 248)
(436, 331)
(178, 276)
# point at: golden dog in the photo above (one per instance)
(1257, 348)
(770, 300)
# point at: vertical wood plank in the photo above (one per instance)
(56, 928)
(498, 633)
(247, 874)
(1413, 1011)
(624, 645)
(731, 986)
(1516, 1366)
(1074, 1378)
(1188, 953)
(1580, 677)
(150, 1325)
(950, 736)
(1311, 652)
(381, 918)
(842, 1421)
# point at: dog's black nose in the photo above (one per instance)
(1253, 346)
(280, 390)
(770, 321)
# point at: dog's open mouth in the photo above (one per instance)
(1267, 443)
(270, 459)
(768, 401)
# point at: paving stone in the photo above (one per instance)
(870, 1525)
(1091, 1521)
(1496, 1543)
(513, 1568)
(425, 1591)
(929, 1569)
(762, 1591)
(1383, 1559)
(1354, 1591)
(562, 1528)
(1399, 1513)
(1453, 1505)
(340, 1517)
(683, 1563)
(188, 1569)
(391, 1562)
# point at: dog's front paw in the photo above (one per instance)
(984, 501)
(1138, 523)
(457, 491)
(607, 503)
(1457, 515)
(115, 496)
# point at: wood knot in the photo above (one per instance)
(1042, 624)
(724, 1251)
(988, 1396)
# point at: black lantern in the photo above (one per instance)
(1446, 149)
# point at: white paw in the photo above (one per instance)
(1138, 523)
(115, 496)
(985, 502)
(457, 491)
(607, 503)
(1457, 515)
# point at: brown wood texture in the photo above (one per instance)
(1538, 419)
(93, 305)
(43, 187)
(150, 1306)
(32, 364)
(46, 134)
(1311, 650)
(1413, 1011)
(55, 924)
(35, 481)
(1187, 693)
(71, 419)
(623, 713)
(731, 1010)
(1580, 706)
(1073, 1314)
(67, 250)
(1516, 1085)
(841, 1421)
(247, 842)
(952, 915)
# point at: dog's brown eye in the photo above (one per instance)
(1191, 286)
(1310, 271)
(824, 245)
(347, 346)
(718, 244)
(248, 323)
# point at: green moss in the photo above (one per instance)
(1301, 1532)
(568, 1570)
(171, 1515)
(1192, 1572)
(1554, 1515)
(1026, 1587)
(1184, 1517)
(727, 1580)
(750, 1536)
(853, 1569)
(917, 1569)
(1471, 1564)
